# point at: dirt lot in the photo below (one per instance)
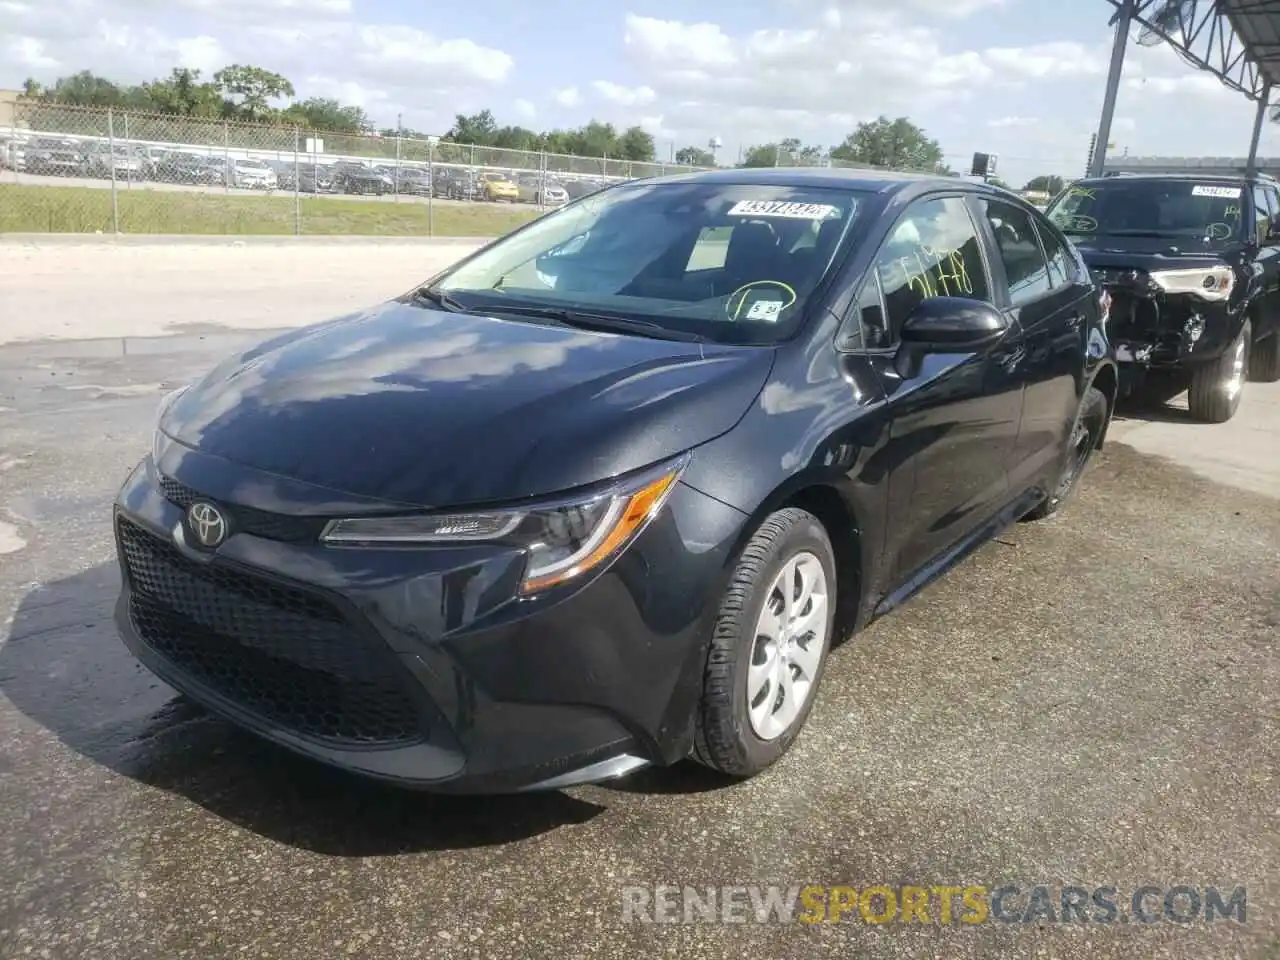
(1091, 701)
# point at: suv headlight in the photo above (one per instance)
(1208, 283)
(564, 539)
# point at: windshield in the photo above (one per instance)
(733, 263)
(1173, 208)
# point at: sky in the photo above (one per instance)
(1022, 79)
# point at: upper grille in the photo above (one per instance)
(258, 523)
(281, 652)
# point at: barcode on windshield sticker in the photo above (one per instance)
(783, 208)
(1203, 190)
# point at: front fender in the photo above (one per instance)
(820, 421)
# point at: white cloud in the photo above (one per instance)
(525, 110)
(660, 131)
(1002, 123)
(670, 41)
(783, 81)
(567, 96)
(384, 66)
(269, 8)
(1047, 60)
(625, 96)
(953, 9)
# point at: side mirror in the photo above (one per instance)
(953, 325)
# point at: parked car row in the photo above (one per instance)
(48, 155)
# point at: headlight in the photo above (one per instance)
(167, 401)
(1209, 283)
(564, 539)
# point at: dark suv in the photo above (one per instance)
(603, 494)
(1192, 266)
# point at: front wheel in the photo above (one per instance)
(1217, 386)
(1085, 434)
(768, 647)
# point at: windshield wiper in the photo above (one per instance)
(600, 321)
(440, 299)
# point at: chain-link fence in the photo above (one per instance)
(83, 170)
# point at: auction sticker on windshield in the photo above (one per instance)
(783, 208)
(1204, 190)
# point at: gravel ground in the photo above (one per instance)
(1088, 701)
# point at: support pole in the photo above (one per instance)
(1251, 166)
(1124, 17)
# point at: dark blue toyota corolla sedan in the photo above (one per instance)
(603, 494)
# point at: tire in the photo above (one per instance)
(728, 738)
(1085, 433)
(1264, 359)
(1217, 386)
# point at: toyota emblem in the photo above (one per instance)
(207, 524)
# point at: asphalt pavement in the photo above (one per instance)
(1089, 701)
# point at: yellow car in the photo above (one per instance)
(495, 186)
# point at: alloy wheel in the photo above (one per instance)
(1082, 444)
(790, 637)
(1239, 364)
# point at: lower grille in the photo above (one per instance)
(283, 653)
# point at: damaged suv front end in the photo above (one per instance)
(1190, 267)
(1167, 317)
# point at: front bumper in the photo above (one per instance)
(417, 666)
(1167, 332)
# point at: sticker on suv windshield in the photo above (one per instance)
(783, 208)
(1204, 190)
(766, 310)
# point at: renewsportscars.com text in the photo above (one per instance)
(943, 904)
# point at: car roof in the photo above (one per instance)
(873, 181)
(1178, 176)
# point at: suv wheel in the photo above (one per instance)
(1216, 386)
(1264, 359)
(768, 647)
(1089, 424)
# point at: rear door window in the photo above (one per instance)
(1024, 261)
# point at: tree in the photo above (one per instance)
(31, 88)
(1049, 183)
(636, 143)
(479, 129)
(793, 153)
(785, 153)
(318, 113)
(182, 93)
(248, 91)
(84, 89)
(762, 155)
(898, 144)
(695, 157)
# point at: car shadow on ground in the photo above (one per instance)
(1159, 401)
(64, 667)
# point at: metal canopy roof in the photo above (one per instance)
(1257, 25)
(1238, 41)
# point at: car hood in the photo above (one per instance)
(1155, 253)
(420, 406)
